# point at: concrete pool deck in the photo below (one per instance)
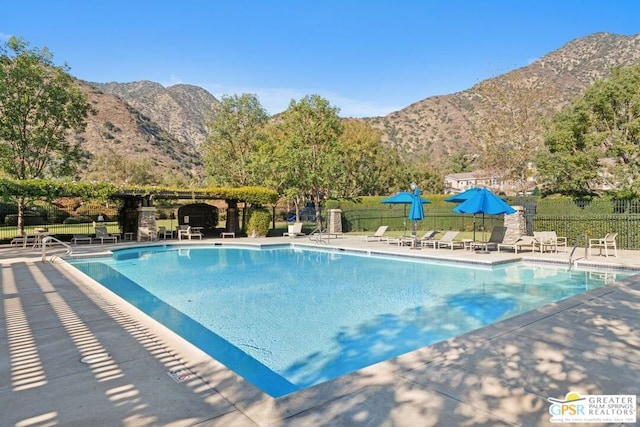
(73, 354)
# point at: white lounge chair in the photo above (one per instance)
(447, 240)
(408, 240)
(519, 244)
(294, 230)
(186, 232)
(147, 233)
(378, 236)
(81, 238)
(497, 237)
(606, 243)
(548, 240)
(102, 234)
(164, 233)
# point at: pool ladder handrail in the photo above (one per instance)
(575, 246)
(52, 239)
(316, 236)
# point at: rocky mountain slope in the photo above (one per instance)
(182, 110)
(145, 119)
(116, 126)
(441, 125)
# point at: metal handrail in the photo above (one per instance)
(575, 245)
(48, 239)
(316, 235)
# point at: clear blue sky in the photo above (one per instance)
(367, 57)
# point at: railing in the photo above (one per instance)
(52, 239)
(316, 236)
(575, 246)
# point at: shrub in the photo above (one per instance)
(259, 222)
(7, 209)
(77, 220)
(29, 219)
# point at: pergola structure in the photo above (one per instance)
(138, 210)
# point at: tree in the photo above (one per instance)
(304, 146)
(594, 144)
(110, 166)
(40, 104)
(569, 165)
(230, 150)
(509, 134)
(369, 167)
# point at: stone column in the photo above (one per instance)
(515, 224)
(147, 218)
(335, 222)
(233, 220)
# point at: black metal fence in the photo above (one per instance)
(575, 220)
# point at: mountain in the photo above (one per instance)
(116, 126)
(441, 125)
(145, 119)
(182, 110)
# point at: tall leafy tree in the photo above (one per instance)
(369, 167)
(510, 133)
(309, 155)
(116, 168)
(40, 104)
(234, 133)
(594, 145)
(570, 163)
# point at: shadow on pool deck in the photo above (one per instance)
(52, 317)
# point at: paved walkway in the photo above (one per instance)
(73, 354)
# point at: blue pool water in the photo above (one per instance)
(286, 319)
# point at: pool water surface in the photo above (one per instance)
(286, 318)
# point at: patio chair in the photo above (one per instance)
(24, 240)
(378, 235)
(187, 232)
(548, 240)
(164, 233)
(497, 237)
(102, 234)
(81, 238)
(447, 240)
(408, 240)
(520, 243)
(147, 233)
(294, 230)
(606, 243)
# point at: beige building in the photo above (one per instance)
(459, 182)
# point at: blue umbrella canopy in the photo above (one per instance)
(462, 197)
(402, 197)
(484, 202)
(416, 212)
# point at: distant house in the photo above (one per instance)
(457, 182)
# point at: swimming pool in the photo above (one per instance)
(286, 318)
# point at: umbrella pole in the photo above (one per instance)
(404, 220)
(474, 227)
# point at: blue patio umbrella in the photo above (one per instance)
(462, 197)
(403, 198)
(416, 212)
(484, 202)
